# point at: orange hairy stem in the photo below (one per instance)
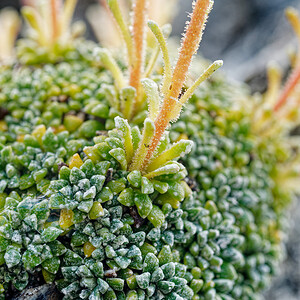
(289, 88)
(54, 19)
(161, 124)
(104, 4)
(189, 47)
(139, 20)
(27, 2)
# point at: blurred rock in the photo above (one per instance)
(43, 292)
(247, 35)
(11, 3)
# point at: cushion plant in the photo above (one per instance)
(121, 180)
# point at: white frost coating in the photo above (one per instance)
(167, 169)
(189, 145)
(97, 53)
(122, 125)
(84, 183)
(151, 90)
(125, 131)
(177, 150)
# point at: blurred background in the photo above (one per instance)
(247, 35)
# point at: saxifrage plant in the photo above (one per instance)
(119, 179)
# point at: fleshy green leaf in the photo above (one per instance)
(177, 150)
(171, 168)
(151, 90)
(125, 130)
(148, 132)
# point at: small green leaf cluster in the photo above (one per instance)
(104, 214)
(26, 245)
(112, 258)
(29, 53)
(83, 187)
(67, 96)
(36, 160)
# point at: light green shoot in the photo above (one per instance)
(153, 98)
(123, 126)
(188, 94)
(160, 186)
(166, 30)
(136, 137)
(156, 216)
(177, 150)
(171, 168)
(116, 11)
(152, 62)
(106, 59)
(149, 152)
(32, 17)
(158, 33)
(163, 145)
(141, 153)
(127, 96)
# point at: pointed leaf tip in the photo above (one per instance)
(159, 35)
(218, 63)
(177, 150)
(104, 56)
(117, 13)
(151, 90)
(125, 130)
(293, 16)
(148, 133)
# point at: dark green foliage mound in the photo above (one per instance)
(232, 180)
(207, 226)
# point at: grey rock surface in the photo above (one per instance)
(247, 35)
(43, 292)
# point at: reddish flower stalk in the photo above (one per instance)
(27, 3)
(54, 10)
(289, 88)
(104, 4)
(139, 21)
(189, 47)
